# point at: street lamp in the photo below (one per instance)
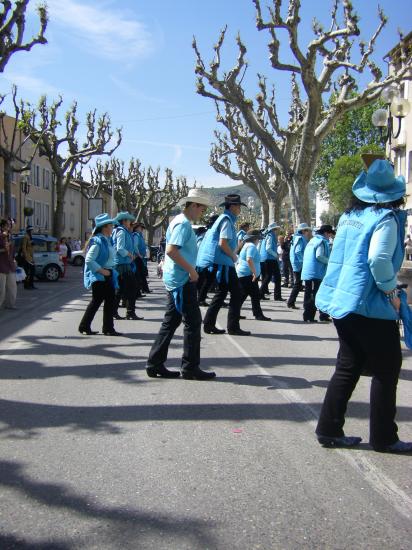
(110, 176)
(395, 107)
(25, 181)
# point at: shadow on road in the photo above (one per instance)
(118, 527)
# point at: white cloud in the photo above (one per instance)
(105, 31)
(34, 85)
(131, 91)
(166, 144)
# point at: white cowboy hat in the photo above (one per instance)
(196, 195)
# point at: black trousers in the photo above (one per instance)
(287, 270)
(371, 343)
(223, 288)
(204, 283)
(309, 297)
(141, 275)
(127, 288)
(102, 291)
(297, 287)
(248, 287)
(30, 270)
(272, 271)
(192, 320)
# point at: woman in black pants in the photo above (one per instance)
(101, 277)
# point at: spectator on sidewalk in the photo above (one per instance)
(359, 291)
(180, 278)
(408, 247)
(26, 258)
(8, 285)
(141, 259)
(63, 251)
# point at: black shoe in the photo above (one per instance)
(162, 372)
(309, 320)
(133, 317)
(280, 299)
(112, 333)
(242, 316)
(204, 304)
(264, 298)
(342, 442)
(88, 331)
(198, 374)
(285, 285)
(214, 330)
(225, 304)
(262, 318)
(396, 448)
(118, 317)
(292, 306)
(239, 332)
(325, 319)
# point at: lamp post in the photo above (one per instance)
(396, 107)
(110, 176)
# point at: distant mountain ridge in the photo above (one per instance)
(218, 193)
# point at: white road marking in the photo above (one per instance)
(379, 481)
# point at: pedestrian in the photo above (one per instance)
(243, 229)
(281, 240)
(269, 254)
(297, 249)
(287, 273)
(124, 247)
(139, 228)
(63, 251)
(8, 284)
(359, 292)
(25, 258)
(218, 251)
(315, 261)
(137, 266)
(248, 271)
(100, 276)
(408, 247)
(206, 275)
(180, 278)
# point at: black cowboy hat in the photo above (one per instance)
(326, 229)
(139, 224)
(232, 199)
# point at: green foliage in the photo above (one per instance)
(353, 131)
(342, 175)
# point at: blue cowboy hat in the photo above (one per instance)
(379, 184)
(273, 225)
(124, 216)
(101, 220)
(303, 226)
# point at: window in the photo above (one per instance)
(400, 161)
(46, 216)
(46, 183)
(72, 222)
(13, 210)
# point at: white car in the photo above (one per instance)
(77, 258)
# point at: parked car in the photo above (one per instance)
(77, 258)
(47, 261)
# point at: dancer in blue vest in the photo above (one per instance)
(359, 293)
(218, 252)
(315, 261)
(248, 271)
(206, 276)
(100, 276)
(269, 255)
(124, 246)
(241, 234)
(297, 249)
(180, 277)
(140, 257)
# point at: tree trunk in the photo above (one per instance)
(150, 234)
(60, 191)
(264, 213)
(8, 176)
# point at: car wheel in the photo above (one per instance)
(51, 273)
(78, 261)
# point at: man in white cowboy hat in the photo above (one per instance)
(218, 252)
(180, 278)
(100, 276)
(359, 291)
(269, 255)
(300, 240)
(123, 243)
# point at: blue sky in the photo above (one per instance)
(133, 58)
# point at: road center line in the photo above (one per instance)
(378, 480)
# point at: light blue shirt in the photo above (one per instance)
(120, 244)
(381, 250)
(227, 230)
(93, 253)
(249, 251)
(180, 234)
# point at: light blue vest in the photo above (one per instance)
(348, 286)
(269, 240)
(89, 276)
(209, 251)
(296, 258)
(118, 259)
(312, 268)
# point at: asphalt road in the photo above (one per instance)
(96, 455)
